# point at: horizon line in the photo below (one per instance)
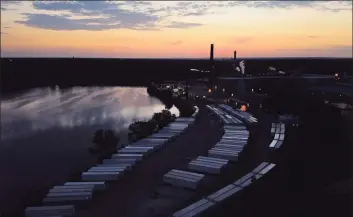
(184, 58)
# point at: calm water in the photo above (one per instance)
(45, 133)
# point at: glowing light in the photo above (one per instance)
(209, 90)
(243, 108)
(336, 74)
(232, 94)
(215, 87)
(252, 90)
(224, 90)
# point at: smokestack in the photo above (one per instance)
(211, 53)
(235, 55)
(211, 78)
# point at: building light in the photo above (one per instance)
(232, 94)
(252, 90)
(224, 90)
(209, 90)
(243, 108)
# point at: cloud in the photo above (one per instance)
(333, 6)
(185, 9)
(78, 7)
(134, 15)
(141, 15)
(313, 36)
(179, 11)
(279, 4)
(182, 25)
(111, 16)
(9, 5)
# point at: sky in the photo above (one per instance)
(176, 29)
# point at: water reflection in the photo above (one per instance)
(41, 109)
(45, 134)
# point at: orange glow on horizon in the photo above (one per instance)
(252, 31)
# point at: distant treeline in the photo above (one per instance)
(23, 73)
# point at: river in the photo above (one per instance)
(45, 133)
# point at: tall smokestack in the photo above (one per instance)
(211, 79)
(235, 55)
(211, 54)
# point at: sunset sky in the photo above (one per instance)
(176, 29)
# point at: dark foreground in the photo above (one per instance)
(23, 73)
(314, 157)
(128, 197)
(311, 161)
